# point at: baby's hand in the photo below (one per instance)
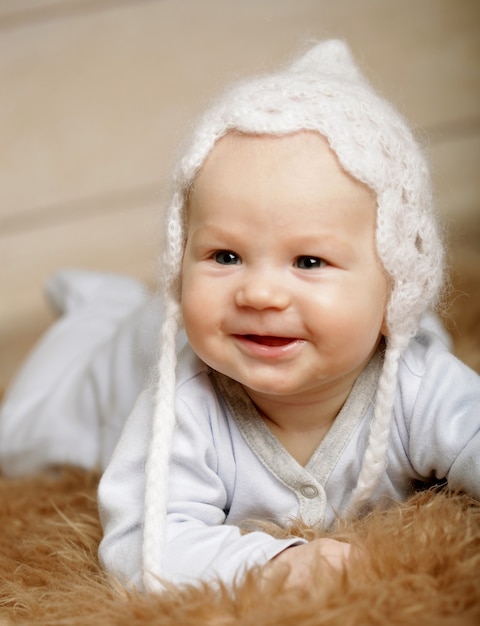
(323, 554)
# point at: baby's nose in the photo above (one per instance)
(264, 291)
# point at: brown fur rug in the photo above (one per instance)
(420, 565)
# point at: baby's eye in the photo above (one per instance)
(226, 257)
(309, 262)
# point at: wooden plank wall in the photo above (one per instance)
(96, 94)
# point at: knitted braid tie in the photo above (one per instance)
(373, 463)
(163, 421)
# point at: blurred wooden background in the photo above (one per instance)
(96, 94)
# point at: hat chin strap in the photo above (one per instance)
(157, 465)
(374, 460)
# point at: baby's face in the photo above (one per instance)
(281, 286)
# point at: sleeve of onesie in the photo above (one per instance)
(444, 439)
(199, 546)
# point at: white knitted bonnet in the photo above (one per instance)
(323, 91)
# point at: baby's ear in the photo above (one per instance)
(331, 56)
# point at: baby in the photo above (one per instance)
(302, 258)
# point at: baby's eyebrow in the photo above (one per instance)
(329, 239)
(213, 231)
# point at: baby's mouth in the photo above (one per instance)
(268, 340)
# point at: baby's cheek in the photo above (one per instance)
(197, 315)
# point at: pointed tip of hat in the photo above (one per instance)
(333, 56)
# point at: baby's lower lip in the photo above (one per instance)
(268, 346)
